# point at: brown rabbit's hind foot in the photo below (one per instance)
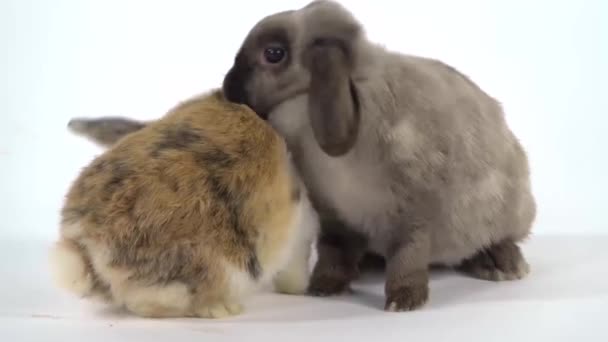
(294, 278)
(221, 309)
(167, 301)
(500, 262)
(212, 298)
(292, 281)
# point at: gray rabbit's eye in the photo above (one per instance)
(274, 55)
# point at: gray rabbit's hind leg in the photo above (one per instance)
(501, 261)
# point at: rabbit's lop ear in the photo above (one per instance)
(104, 130)
(333, 104)
(334, 40)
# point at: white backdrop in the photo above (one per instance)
(547, 61)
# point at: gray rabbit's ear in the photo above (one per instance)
(104, 131)
(333, 105)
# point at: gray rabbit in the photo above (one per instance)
(403, 156)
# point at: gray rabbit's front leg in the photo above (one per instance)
(407, 275)
(408, 249)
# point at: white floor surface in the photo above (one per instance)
(565, 298)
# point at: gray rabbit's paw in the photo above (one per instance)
(323, 284)
(407, 298)
(499, 262)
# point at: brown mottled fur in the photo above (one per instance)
(107, 130)
(188, 215)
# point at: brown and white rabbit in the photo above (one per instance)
(401, 155)
(187, 216)
(107, 130)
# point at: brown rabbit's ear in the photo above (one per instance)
(333, 104)
(104, 131)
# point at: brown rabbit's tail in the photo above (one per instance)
(105, 130)
(71, 268)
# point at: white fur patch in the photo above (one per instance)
(240, 283)
(304, 227)
(294, 275)
(69, 270)
(409, 138)
(173, 299)
(291, 117)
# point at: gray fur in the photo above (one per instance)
(104, 131)
(434, 175)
